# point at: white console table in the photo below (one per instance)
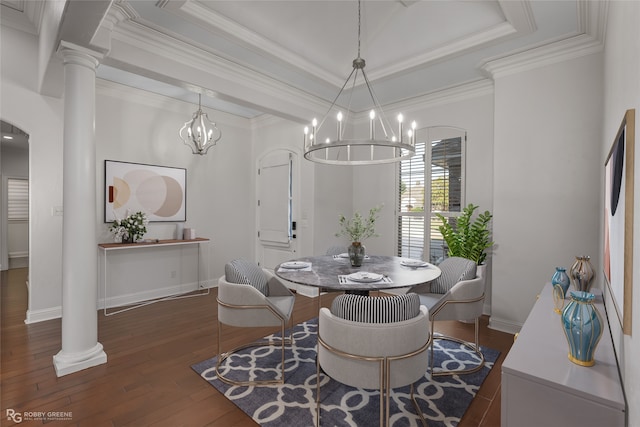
(105, 248)
(542, 387)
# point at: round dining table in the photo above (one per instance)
(330, 273)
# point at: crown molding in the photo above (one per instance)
(155, 100)
(519, 21)
(553, 53)
(469, 90)
(589, 39)
(195, 12)
(139, 37)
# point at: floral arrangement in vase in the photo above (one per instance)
(358, 229)
(131, 228)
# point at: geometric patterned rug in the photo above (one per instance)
(443, 400)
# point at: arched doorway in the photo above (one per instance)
(14, 215)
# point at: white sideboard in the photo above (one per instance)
(542, 387)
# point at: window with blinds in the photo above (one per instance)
(18, 199)
(431, 182)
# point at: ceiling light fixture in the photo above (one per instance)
(375, 150)
(200, 133)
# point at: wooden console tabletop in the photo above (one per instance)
(107, 246)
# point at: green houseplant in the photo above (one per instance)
(467, 239)
(357, 229)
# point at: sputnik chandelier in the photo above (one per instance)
(200, 133)
(387, 148)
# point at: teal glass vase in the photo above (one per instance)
(561, 278)
(582, 324)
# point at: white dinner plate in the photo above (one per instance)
(346, 255)
(295, 265)
(364, 277)
(414, 263)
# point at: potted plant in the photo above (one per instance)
(131, 228)
(358, 229)
(468, 239)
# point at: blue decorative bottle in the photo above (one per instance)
(561, 278)
(582, 326)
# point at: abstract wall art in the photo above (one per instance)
(618, 226)
(158, 191)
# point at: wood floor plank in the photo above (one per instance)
(148, 380)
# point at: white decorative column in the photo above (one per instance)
(80, 346)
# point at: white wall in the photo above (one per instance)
(547, 176)
(622, 92)
(41, 118)
(140, 127)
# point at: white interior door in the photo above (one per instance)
(276, 222)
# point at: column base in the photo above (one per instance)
(66, 363)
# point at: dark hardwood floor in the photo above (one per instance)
(148, 380)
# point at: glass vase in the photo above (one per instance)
(582, 274)
(582, 325)
(561, 278)
(356, 254)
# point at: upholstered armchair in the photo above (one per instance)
(249, 296)
(374, 343)
(458, 294)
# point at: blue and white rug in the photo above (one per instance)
(443, 400)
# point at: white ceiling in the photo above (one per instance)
(304, 48)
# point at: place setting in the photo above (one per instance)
(295, 266)
(414, 263)
(345, 256)
(363, 277)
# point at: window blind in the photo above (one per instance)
(18, 199)
(430, 182)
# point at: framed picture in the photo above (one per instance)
(618, 226)
(158, 191)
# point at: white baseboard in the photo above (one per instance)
(19, 254)
(18, 260)
(35, 316)
(129, 299)
(504, 325)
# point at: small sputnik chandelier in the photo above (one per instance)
(200, 133)
(377, 149)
